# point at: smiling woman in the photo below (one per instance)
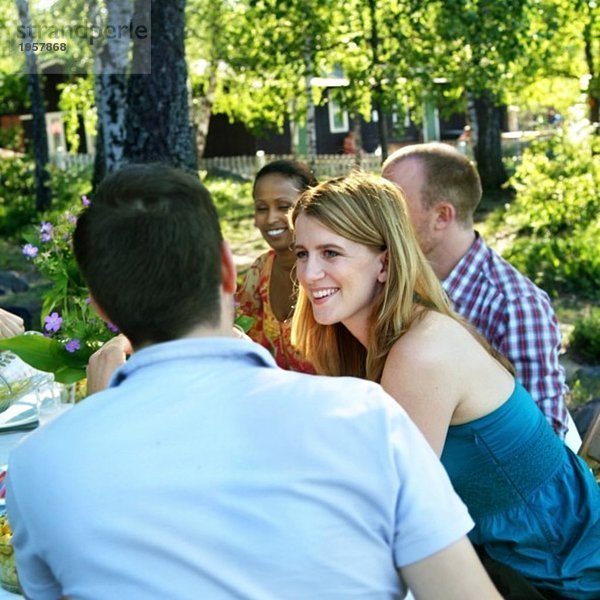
(267, 292)
(340, 277)
(371, 306)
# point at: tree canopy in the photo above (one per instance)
(256, 60)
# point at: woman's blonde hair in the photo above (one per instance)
(370, 211)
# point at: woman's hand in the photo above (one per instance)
(105, 361)
(10, 325)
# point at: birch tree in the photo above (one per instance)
(158, 121)
(111, 60)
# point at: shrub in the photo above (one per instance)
(17, 202)
(232, 198)
(554, 221)
(17, 193)
(585, 337)
(235, 206)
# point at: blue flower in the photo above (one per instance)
(30, 251)
(45, 231)
(72, 345)
(53, 322)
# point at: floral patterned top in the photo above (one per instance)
(253, 300)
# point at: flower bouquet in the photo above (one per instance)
(71, 329)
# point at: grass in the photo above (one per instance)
(233, 200)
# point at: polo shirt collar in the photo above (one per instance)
(198, 348)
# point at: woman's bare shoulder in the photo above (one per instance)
(432, 339)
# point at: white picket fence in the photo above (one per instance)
(65, 161)
(326, 165)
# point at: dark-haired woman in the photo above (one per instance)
(267, 291)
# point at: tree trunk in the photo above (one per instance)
(112, 103)
(294, 128)
(381, 128)
(311, 128)
(377, 92)
(594, 82)
(472, 119)
(488, 149)
(99, 160)
(99, 157)
(357, 135)
(158, 121)
(43, 195)
(202, 109)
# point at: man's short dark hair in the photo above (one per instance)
(149, 248)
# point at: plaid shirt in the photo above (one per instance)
(517, 318)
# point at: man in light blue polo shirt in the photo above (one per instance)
(206, 472)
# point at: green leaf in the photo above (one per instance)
(68, 375)
(48, 355)
(244, 322)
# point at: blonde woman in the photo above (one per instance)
(370, 306)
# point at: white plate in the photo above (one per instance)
(19, 414)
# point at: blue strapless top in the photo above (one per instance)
(535, 504)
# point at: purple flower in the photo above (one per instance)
(112, 327)
(45, 231)
(30, 251)
(53, 322)
(85, 201)
(72, 345)
(72, 219)
(88, 300)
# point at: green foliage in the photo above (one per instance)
(561, 93)
(391, 52)
(68, 186)
(555, 219)
(49, 355)
(17, 192)
(67, 316)
(498, 45)
(585, 337)
(10, 137)
(17, 196)
(77, 98)
(14, 96)
(233, 199)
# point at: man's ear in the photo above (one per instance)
(383, 273)
(228, 270)
(445, 214)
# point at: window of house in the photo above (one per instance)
(338, 118)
